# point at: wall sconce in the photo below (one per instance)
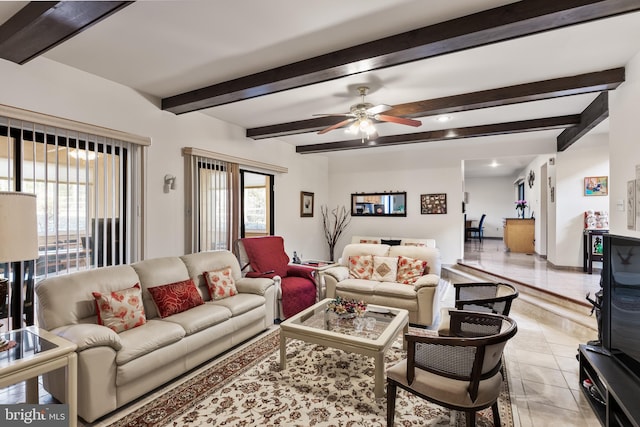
(169, 183)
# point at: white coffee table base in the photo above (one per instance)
(371, 348)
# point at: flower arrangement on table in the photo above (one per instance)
(520, 205)
(342, 306)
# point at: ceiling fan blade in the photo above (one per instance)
(377, 109)
(336, 126)
(399, 120)
(334, 115)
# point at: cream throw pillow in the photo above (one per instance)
(361, 267)
(385, 268)
(410, 270)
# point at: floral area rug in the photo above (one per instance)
(320, 387)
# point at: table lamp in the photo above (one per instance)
(18, 242)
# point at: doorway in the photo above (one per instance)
(256, 204)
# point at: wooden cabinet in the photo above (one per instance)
(519, 235)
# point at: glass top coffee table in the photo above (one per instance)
(370, 335)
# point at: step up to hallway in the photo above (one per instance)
(571, 315)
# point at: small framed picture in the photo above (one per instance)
(596, 186)
(433, 203)
(306, 204)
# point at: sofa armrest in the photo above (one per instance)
(339, 273)
(258, 286)
(428, 280)
(300, 271)
(87, 335)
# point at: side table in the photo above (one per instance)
(318, 267)
(589, 255)
(37, 352)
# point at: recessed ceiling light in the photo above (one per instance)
(494, 164)
(443, 119)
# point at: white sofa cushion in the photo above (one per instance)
(144, 339)
(198, 318)
(362, 249)
(67, 299)
(431, 255)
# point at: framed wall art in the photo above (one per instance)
(306, 204)
(433, 203)
(596, 186)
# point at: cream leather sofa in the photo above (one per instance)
(420, 298)
(116, 368)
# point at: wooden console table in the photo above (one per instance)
(519, 235)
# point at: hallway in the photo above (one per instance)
(531, 270)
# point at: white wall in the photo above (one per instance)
(445, 228)
(587, 157)
(624, 146)
(48, 87)
(493, 196)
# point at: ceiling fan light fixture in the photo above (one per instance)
(366, 126)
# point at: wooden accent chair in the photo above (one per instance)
(486, 297)
(460, 372)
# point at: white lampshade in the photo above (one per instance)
(18, 227)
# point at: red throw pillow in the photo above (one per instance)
(120, 310)
(175, 297)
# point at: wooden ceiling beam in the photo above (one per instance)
(546, 89)
(40, 26)
(591, 117)
(503, 23)
(548, 123)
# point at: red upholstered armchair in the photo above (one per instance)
(265, 257)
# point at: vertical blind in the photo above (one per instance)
(214, 203)
(88, 189)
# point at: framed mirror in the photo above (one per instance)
(379, 204)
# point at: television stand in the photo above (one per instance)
(618, 389)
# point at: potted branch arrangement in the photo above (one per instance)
(334, 224)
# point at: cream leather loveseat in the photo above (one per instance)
(115, 368)
(419, 298)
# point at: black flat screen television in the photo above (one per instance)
(621, 300)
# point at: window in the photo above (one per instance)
(214, 204)
(257, 206)
(85, 201)
(214, 195)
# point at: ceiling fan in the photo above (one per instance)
(362, 115)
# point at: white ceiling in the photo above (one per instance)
(163, 48)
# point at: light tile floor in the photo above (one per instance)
(541, 362)
(541, 358)
(490, 255)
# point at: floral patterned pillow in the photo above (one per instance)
(220, 283)
(120, 310)
(361, 267)
(175, 297)
(409, 270)
(385, 268)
